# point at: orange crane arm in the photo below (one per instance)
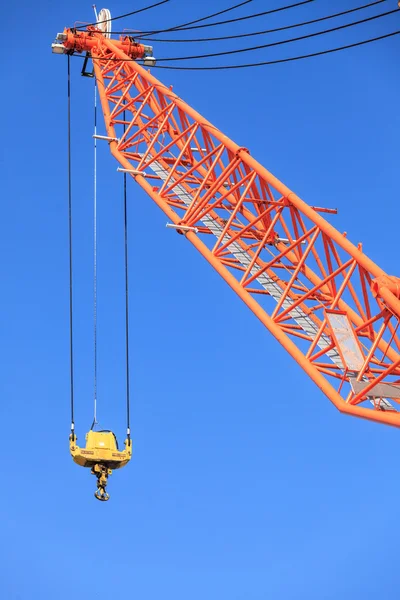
(331, 307)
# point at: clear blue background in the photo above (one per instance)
(245, 482)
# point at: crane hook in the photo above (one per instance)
(102, 473)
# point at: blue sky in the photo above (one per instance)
(245, 482)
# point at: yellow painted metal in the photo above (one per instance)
(101, 455)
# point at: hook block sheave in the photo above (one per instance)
(331, 307)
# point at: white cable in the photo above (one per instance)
(95, 256)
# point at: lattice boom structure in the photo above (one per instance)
(334, 310)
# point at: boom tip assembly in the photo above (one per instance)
(75, 40)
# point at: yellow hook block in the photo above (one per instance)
(101, 455)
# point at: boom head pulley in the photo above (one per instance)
(77, 41)
(104, 22)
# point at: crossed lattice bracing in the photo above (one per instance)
(317, 293)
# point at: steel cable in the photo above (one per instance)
(128, 426)
(134, 12)
(281, 42)
(264, 31)
(252, 16)
(95, 260)
(282, 60)
(71, 347)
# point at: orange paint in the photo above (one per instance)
(263, 234)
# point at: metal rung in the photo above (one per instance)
(182, 227)
(286, 241)
(105, 137)
(132, 171)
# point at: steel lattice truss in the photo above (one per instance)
(332, 308)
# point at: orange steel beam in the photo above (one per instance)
(82, 41)
(293, 269)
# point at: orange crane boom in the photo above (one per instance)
(331, 307)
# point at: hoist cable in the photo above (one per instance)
(281, 42)
(281, 60)
(134, 12)
(95, 260)
(259, 64)
(264, 31)
(71, 347)
(221, 12)
(128, 426)
(236, 20)
(211, 16)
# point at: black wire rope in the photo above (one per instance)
(254, 33)
(281, 42)
(217, 14)
(71, 347)
(259, 64)
(252, 16)
(134, 12)
(221, 12)
(282, 60)
(95, 422)
(128, 408)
